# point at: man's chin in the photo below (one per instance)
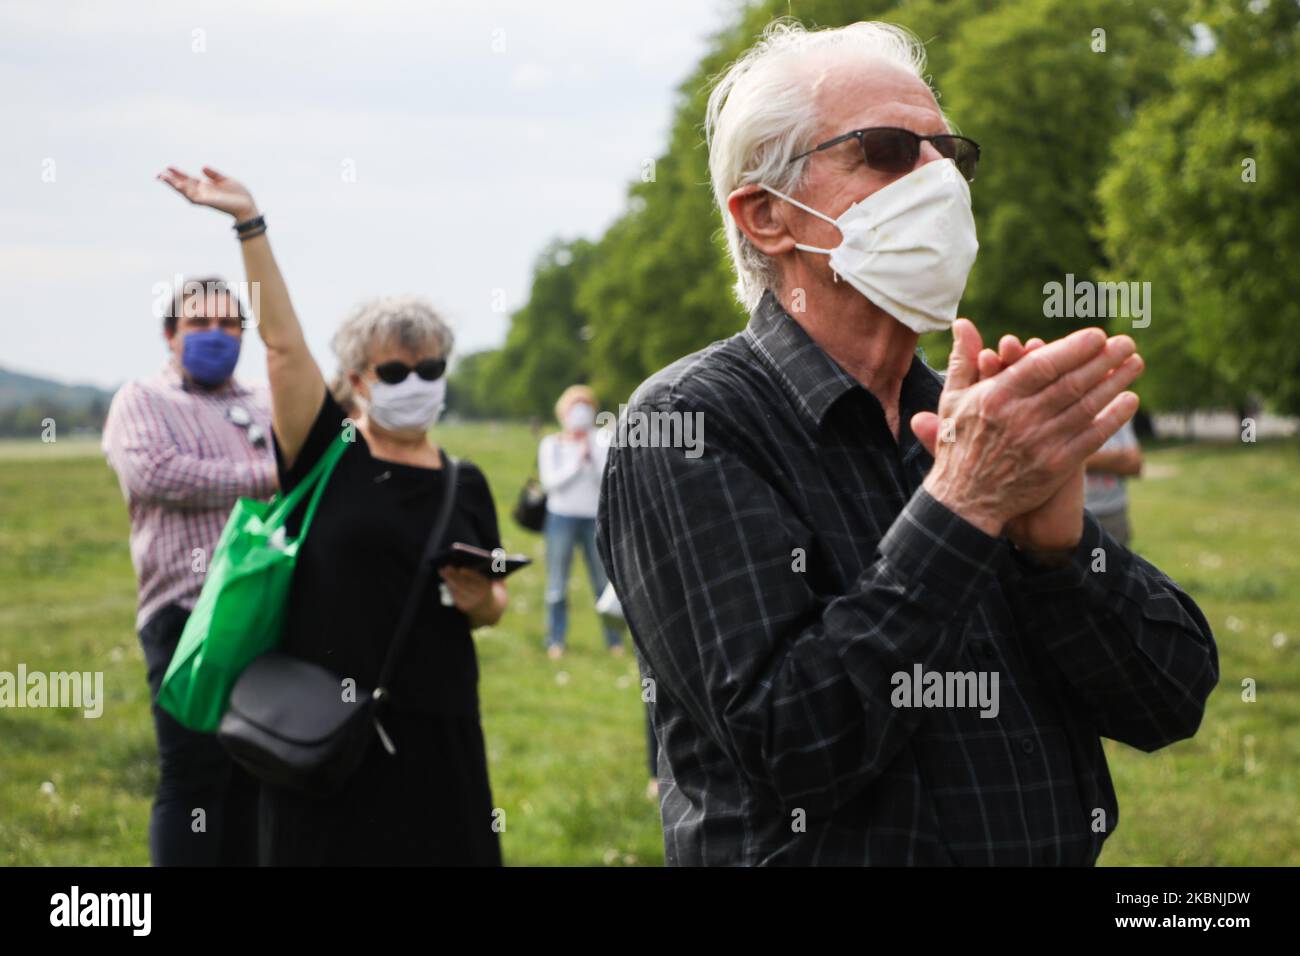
(207, 386)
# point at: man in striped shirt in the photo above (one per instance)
(185, 444)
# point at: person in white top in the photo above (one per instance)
(570, 464)
(1108, 470)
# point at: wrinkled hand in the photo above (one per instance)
(1051, 531)
(1017, 426)
(218, 191)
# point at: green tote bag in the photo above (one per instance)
(240, 613)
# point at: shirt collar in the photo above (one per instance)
(171, 375)
(814, 380)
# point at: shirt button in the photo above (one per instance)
(1027, 745)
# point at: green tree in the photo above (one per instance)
(1201, 201)
(1045, 86)
(545, 349)
(1023, 77)
(1050, 88)
(470, 391)
(661, 286)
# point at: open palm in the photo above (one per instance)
(215, 190)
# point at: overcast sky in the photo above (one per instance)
(474, 132)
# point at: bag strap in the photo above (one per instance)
(331, 456)
(423, 572)
(317, 477)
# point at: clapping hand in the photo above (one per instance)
(1023, 420)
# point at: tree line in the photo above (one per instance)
(1144, 144)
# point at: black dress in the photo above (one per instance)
(430, 803)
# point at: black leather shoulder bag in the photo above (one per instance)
(288, 723)
(530, 508)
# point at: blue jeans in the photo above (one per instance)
(564, 534)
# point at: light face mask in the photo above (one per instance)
(909, 246)
(411, 405)
(579, 417)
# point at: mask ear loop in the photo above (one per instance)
(814, 212)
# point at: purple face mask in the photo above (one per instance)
(210, 356)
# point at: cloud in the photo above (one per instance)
(468, 160)
(58, 262)
(530, 77)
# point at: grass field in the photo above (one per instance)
(566, 739)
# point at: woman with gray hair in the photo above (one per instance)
(425, 799)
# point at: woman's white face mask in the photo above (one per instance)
(411, 405)
(580, 417)
(909, 246)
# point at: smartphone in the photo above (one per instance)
(490, 564)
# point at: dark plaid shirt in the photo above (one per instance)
(775, 584)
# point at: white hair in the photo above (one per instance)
(409, 322)
(760, 116)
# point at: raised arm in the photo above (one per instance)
(297, 386)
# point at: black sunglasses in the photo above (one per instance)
(893, 150)
(430, 370)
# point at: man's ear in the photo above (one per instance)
(756, 213)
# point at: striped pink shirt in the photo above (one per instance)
(182, 462)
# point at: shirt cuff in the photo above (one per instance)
(1098, 565)
(930, 545)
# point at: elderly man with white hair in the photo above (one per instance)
(878, 626)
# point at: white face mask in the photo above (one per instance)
(579, 417)
(411, 405)
(909, 246)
